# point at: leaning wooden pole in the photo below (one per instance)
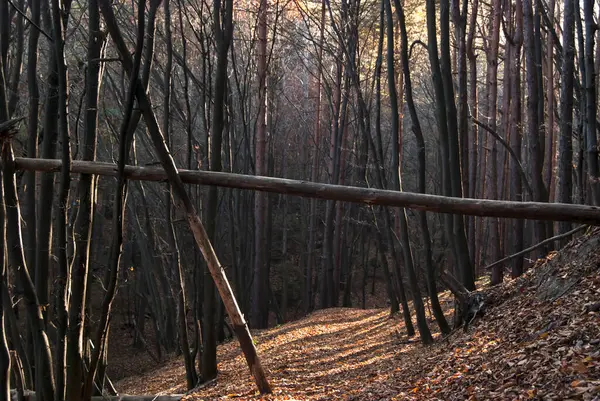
(182, 198)
(371, 196)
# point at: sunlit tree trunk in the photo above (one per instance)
(86, 189)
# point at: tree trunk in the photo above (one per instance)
(111, 276)
(515, 243)
(260, 300)
(312, 231)
(492, 102)
(393, 276)
(565, 142)
(447, 122)
(190, 369)
(551, 139)
(397, 186)
(591, 143)
(473, 131)
(536, 151)
(32, 134)
(63, 275)
(416, 128)
(86, 189)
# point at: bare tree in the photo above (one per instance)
(565, 143)
(260, 300)
(416, 129)
(591, 141)
(409, 264)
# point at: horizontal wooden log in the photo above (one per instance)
(370, 196)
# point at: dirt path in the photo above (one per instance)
(322, 356)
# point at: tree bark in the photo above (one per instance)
(535, 144)
(63, 275)
(473, 137)
(32, 134)
(591, 143)
(260, 300)
(312, 230)
(82, 232)
(424, 331)
(565, 142)
(493, 43)
(516, 240)
(416, 129)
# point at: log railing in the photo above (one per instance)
(371, 196)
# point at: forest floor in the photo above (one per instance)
(540, 339)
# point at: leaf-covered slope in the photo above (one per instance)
(540, 339)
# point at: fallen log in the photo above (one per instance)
(371, 196)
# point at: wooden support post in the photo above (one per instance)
(371, 196)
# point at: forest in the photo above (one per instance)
(184, 173)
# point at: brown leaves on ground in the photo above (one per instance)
(539, 340)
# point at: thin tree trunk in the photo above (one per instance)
(312, 231)
(260, 300)
(14, 75)
(516, 243)
(491, 112)
(473, 137)
(63, 276)
(190, 369)
(32, 134)
(536, 151)
(447, 121)
(111, 276)
(86, 188)
(416, 128)
(393, 277)
(397, 186)
(565, 143)
(591, 143)
(550, 140)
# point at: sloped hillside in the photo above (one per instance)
(540, 339)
